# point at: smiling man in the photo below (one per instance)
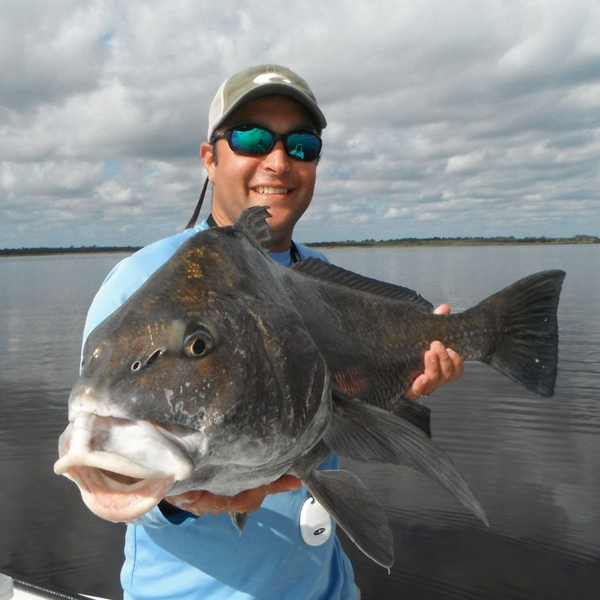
(285, 183)
(263, 148)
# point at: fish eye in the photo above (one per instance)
(198, 343)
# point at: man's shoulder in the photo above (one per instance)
(308, 252)
(149, 258)
(161, 250)
(131, 273)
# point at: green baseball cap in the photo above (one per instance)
(258, 81)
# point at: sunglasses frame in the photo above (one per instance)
(226, 135)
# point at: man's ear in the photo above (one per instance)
(208, 157)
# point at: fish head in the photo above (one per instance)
(193, 383)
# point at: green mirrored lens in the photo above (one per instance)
(303, 146)
(256, 141)
(251, 141)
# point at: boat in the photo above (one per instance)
(15, 588)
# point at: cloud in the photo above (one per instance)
(465, 162)
(463, 118)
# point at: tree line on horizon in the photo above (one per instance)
(464, 241)
(410, 241)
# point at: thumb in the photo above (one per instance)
(442, 309)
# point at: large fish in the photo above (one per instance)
(225, 371)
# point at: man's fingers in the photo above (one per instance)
(187, 499)
(417, 389)
(441, 365)
(457, 362)
(201, 502)
(221, 504)
(433, 366)
(445, 365)
(285, 483)
(249, 500)
(442, 309)
(252, 499)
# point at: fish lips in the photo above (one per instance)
(118, 481)
(130, 503)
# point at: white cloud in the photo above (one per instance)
(464, 162)
(462, 118)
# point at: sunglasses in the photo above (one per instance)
(254, 140)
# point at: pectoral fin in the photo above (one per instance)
(369, 434)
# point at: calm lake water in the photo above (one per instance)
(533, 463)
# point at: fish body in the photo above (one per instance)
(376, 333)
(225, 371)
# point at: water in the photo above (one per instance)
(532, 462)
(46, 533)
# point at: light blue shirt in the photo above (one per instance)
(205, 557)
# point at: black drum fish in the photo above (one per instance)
(225, 371)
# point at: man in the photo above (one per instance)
(263, 148)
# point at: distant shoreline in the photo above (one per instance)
(6, 252)
(463, 241)
(401, 242)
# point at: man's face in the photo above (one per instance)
(284, 184)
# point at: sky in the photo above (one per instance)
(445, 118)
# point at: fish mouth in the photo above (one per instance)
(115, 497)
(122, 468)
(111, 476)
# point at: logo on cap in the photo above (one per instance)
(270, 78)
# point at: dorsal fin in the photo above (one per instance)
(253, 222)
(321, 270)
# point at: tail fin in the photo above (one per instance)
(526, 350)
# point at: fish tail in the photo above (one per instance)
(525, 348)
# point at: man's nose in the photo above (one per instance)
(277, 160)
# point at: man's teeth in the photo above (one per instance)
(271, 190)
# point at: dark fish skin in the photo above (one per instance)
(137, 351)
(373, 335)
(272, 369)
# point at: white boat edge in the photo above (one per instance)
(24, 595)
(11, 591)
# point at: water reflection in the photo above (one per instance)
(532, 462)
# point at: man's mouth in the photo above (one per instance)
(264, 190)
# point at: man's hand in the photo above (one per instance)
(201, 503)
(442, 365)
